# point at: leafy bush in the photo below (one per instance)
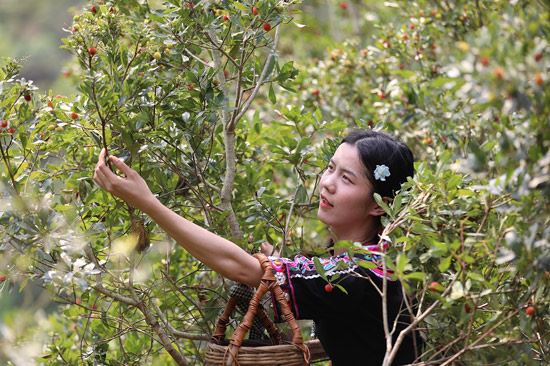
(197, 99)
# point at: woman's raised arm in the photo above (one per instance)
(219, 254)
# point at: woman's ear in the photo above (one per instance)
(376, 210)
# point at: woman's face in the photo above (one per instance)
(346, 203)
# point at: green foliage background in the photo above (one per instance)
(465, 84)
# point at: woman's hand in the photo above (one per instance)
(131, 188)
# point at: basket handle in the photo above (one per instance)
(221, 324)
(268, 283)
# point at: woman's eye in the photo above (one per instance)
(345, 177)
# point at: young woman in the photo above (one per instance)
(349, 325)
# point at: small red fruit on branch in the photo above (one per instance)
(315, 92)
(538, 56)
(74, 115)
(530, 310)
(225, 18)
(254, 10)
(92, 51)
(93, 9)
(11, 130)
(344, 5)
(267, 27)
(3, 123)
(498, 73)
(77, 301)
(329, 287)
(435, 287)
(484, 61)
(538, 79)
(27, 97)
(2, 278)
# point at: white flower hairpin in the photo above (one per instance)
(381, 172)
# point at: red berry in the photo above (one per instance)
(2, 278)
(3, 123)
(498, 73)
(315, 92)
(530, 310)
(93, 9)
(74, 115)
(92, 51)
(77, 301)
(484, 60)
(428, 141)
(538, 56)
(50, 104)
(267, 27)
(11, 130)
(538, 79)
(226, 73)
(225, 18)
(27, 97)
(435, 286)
(381, 95)
(344, 5)
(329, 287)
(412, 26)
(190, 87)
(467, 308)
(254, 10)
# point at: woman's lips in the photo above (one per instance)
(325, 203)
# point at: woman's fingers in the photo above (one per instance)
(131, 188)
(99, 178)
(125, 169)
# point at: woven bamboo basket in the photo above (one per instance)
(237, 352)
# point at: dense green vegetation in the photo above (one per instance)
(231, 122)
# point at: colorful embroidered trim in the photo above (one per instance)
(304, 267)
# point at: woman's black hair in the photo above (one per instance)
(378, 148)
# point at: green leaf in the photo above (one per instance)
(366, 264)
(342, 288)
(301, 195)
(416, 276)
(383, 205)
(240, 6)
(445, 264)
(272, 96)
(319, 268)
(401, 263)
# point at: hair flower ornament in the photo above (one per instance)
(381, 172)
